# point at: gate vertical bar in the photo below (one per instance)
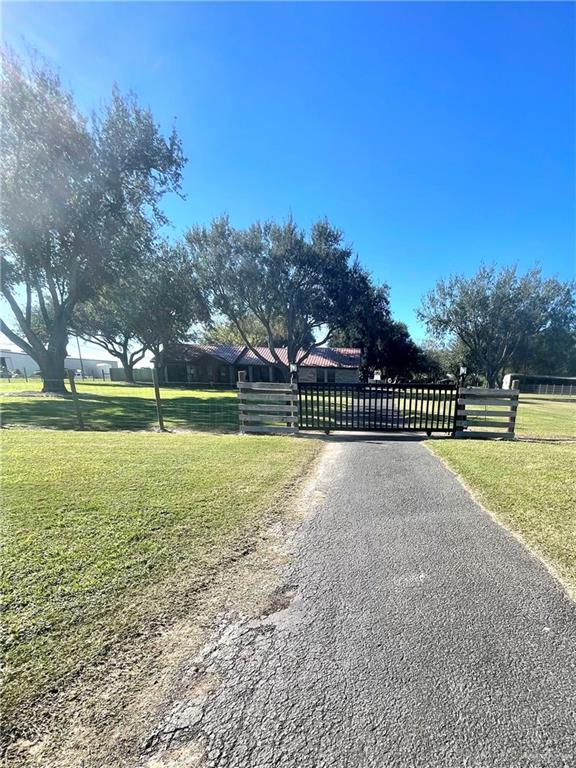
(404, 408)
(427, 415)
(352, 405)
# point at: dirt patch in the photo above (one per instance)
(280, 599)
(134, 707)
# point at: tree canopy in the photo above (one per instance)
(220, 331)
(385, 343)
(81, 201)
(276, 273)
(497, 313)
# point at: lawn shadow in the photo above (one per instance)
(105, 412)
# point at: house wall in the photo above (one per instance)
(347, 376)
(307, 375)
(208, 370)
(343, 375)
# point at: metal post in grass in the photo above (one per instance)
(72, 381)
(157, 396)
(25, 374)
(241, 413)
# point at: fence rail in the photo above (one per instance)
(549, 389)
(268, 408)
(486, 413)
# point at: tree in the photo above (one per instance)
(448, 358)
(276, 273)
(385, 343)
(551, 352)
(226, 332)
(80, 203)
(112, 320)
(171, 300)
(495, 312)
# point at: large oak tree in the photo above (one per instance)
(496, 313)
(80, 202)
(272, 274)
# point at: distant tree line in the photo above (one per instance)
(82, 253)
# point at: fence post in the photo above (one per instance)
(158, 401)
(25, 374)
(241, 380)
(72, 381)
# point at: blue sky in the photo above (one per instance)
(436, 135)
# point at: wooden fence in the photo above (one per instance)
(483, 413)
(267, 408)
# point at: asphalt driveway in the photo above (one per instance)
(412, 631)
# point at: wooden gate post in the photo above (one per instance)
(157, 397)
(267, 407)
(72, 381)
(492, 410)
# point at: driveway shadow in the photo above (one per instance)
(372, 437)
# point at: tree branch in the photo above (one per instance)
(315, 346)
(107, 343)
(15, 339)
(34, 342)
(248, 343)
(137, 355)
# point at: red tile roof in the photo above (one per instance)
(320, 357)
(190, 352)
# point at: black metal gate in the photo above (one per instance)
(378, 407)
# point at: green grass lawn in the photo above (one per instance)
(118, 406)
(546, 416)
(105, 533)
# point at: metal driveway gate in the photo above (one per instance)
(378, 407)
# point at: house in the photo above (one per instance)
(220, 364)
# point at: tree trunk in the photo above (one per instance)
(128, 369)
(129, 374)
(52, 361)
(52, 372)
(491, 379)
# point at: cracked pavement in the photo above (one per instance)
(412, 631)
